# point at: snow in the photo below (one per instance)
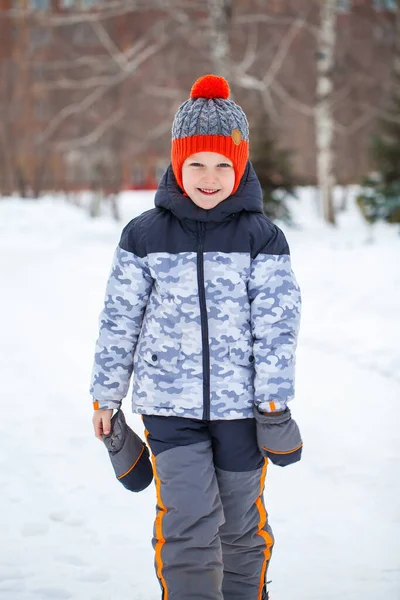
(69, 530)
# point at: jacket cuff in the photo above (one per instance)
(270, 418)
(272, 405)
(106, 404)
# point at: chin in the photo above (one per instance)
(207, 205)
(203, 203)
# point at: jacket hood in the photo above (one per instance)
(247, 197)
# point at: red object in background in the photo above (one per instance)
(149, 183)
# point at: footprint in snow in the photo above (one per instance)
(71, 560)
(62, 517)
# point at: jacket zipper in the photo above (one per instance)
(204, 323)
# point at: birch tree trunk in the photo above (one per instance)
(396, 60)
(324, 124)
(220, 17)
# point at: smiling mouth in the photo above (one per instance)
(208, 192)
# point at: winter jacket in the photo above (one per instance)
(203, 306)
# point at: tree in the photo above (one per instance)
(380, 198)
(117, 72)
(324, 122)
(273, 168)
(78, 84)
(220, 24)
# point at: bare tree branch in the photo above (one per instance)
(92, 62)
(105, 85)
(103, 11)
(283, 51)
(266, 19)
(263, 84)
(68, 111)
(250, 54)
(269, 106)
(382, 113)
(94, 136)
(342, 94)
(357, 124)
(164, 92)
(120, 59)
(280, 91)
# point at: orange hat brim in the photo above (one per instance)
(182, 148)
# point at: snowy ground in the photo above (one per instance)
(69, 530)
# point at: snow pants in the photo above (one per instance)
(211, 538)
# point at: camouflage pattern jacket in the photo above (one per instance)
(203, 307)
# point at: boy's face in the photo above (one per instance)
(208, 178)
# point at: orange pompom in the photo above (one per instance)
(210, 86)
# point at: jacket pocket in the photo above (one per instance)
(162, 354)
(241, 353)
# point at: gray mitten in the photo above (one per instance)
(278, 437)
(129, 455)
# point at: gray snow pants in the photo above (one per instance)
(211, 538)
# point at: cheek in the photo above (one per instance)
(187, 179)
(230, 180)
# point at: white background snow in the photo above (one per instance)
(69, 530)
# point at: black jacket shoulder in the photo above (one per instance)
(134, 235)
(265, 236)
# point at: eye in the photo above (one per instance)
(196, 164)
(224, 165)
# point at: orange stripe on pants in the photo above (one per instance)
(158, 527)
(264, 534)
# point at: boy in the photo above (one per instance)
(203, 306)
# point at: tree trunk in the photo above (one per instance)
(324, 126)
(38, 177)
(7, 184)
(396, 60)
(345, 198)
(21, 183)
(113, 198)
(221, 17)
(96, 202)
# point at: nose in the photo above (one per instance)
(209, 177)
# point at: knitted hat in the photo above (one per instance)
(209, 122)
